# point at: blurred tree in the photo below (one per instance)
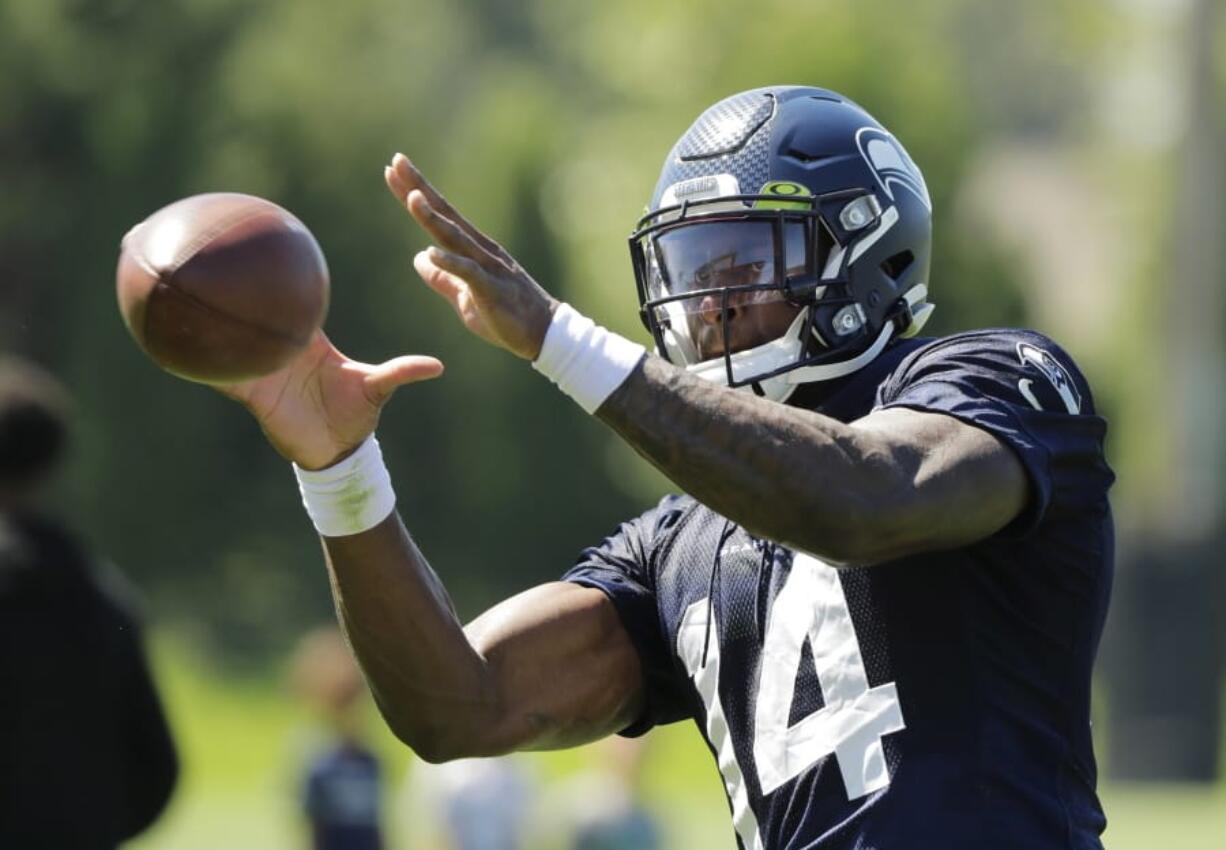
(1168, 716)
(546, 122)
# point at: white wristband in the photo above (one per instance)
(586, 361)
(351, 496)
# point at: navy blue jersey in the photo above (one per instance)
(940, 700)
(341, 799)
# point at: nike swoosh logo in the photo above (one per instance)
(1024, 387)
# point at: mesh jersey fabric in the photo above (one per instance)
(988, 647)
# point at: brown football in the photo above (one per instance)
(221, 287)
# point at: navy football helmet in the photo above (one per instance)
(793, 207)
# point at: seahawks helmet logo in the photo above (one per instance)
(891, 163)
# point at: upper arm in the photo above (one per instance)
(945, 484)
(981, 432)
(563, 669)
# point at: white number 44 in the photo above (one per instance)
(849, 726)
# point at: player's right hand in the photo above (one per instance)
(320, 407)
(491, 293)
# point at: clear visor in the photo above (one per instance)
(701, 273)
(718, 254)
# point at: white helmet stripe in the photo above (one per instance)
(829, 371)
(833, 263)
(888, 219)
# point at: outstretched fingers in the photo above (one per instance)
(406, 176)
(446, 232)
(403, 177)
(382, 380)
(492, 295)
(448, 274)
(450, 277)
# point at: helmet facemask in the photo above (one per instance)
(807, 279)
(745, 289)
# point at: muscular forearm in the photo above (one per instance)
(783, 473)
(429, 682)
(550, 667)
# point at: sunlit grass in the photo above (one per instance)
(242, 740)
(1144, 816)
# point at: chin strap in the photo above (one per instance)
(759, 359)
(916, 298)
(830, 371)
(786, 349)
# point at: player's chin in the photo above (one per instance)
(709, 343)
(715, 348)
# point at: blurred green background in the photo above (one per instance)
(1071, 151)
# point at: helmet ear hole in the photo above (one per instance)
(896, 266)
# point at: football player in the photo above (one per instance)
(881, 594)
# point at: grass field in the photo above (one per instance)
(241, 739)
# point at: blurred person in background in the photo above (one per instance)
(470, 804)
(86, 756)
(880, 598)
(341, 784)
(606, 802)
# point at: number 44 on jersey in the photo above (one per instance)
(849, 726)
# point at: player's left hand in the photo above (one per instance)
(322, 405)
(491, 293)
